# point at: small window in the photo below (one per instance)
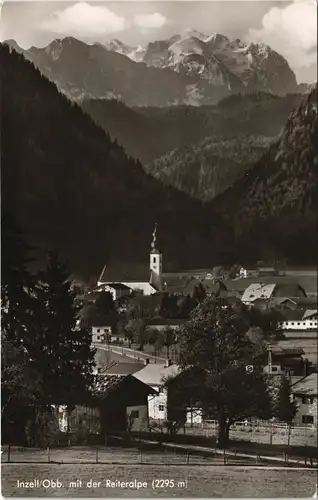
(308, 419)
(105, 330)
(134, 414)
(298, 323)
(293, 323)
(307, 401)
(154, 260)
(274, 368)
(98, 337)
(161, 407)
(98, 330)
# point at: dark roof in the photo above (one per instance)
(301, 302)
(307, 386)
(290, 315)
(119, 273)
(123, 368)
(292, 351)
(104, 385)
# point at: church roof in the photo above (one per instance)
(122, 273)
(155, 250)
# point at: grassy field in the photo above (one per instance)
(181, 481)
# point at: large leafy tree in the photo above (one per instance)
(227, 380)
(67, 358)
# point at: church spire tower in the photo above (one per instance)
(155, 262)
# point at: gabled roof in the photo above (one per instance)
(122, 368)
(287, 351)
(122, 273)
(155, 373)
(290, 315)
(258, 291)
(301, 302)
(310, 313)
(307, 386)
(104, 385)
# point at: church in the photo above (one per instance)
(149, 281)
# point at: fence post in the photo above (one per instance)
(188, 458)
(289, 433)
(96, 455)
(48, 454)
(271, 434)
(224, 458)
(9, 453)
(140, 457)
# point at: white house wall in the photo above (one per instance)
(307, 324)
(157, 405)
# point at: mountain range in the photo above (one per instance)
(190, 68)
(73, 188)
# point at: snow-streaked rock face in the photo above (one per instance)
(189, 67)
(221, 61)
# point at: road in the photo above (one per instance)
(125, 352)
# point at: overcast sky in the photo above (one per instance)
(289, 27)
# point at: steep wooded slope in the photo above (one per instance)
(74, 189)
(273, 207)
(209, 167)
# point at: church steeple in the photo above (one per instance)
(155, 262)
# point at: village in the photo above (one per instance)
(135, 323)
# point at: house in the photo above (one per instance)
(118, 403)
(117, 290)
(289, 361)
(301, 303)
(148, 281)
(305, 395)
(155, 375)
(297, 320)
(267, 291)
(102, 333)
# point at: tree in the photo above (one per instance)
(169, 339)
(215, 348)
(66, 359)
(21, 387)
(20, 379)
(18, 305)
(136, 329)
(104, 304)
(284, 408)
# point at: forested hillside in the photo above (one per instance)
(148, 133)
(72, 188)
(273, 208)
(209, 167)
